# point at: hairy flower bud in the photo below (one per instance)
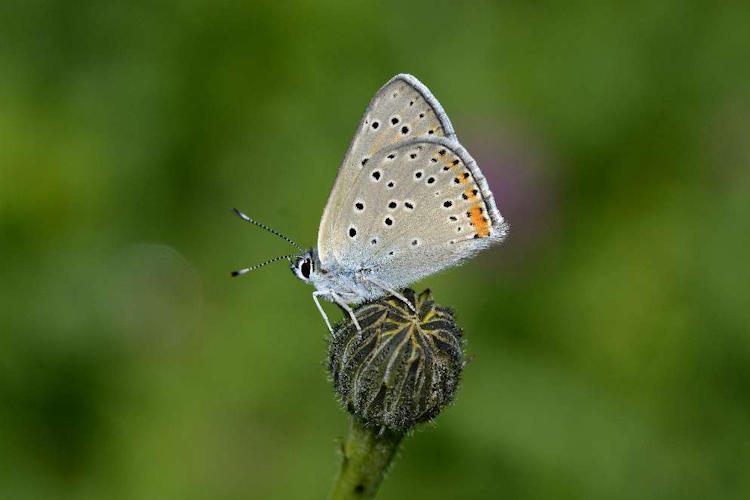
(403, 367)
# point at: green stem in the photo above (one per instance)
(367, 454)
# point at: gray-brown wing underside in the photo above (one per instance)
(402, 110)
(419, 207)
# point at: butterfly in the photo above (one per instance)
(408, 201)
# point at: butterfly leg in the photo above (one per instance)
(346, 308)
(320, 308)
(338, 300)
(388, 289)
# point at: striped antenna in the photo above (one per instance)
(240, 272)
(263, 226)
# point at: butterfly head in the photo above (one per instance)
(304, 266)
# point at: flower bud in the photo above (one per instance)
(403, 367)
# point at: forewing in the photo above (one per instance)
(402, 110)
(421, 206)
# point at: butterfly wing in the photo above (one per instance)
(403, 109)
(419, 206)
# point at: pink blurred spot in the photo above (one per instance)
(519, 172)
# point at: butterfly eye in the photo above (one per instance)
(305, 268)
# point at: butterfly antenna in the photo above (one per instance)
(272, 231)
(240, 272)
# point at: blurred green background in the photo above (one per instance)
(610, 332)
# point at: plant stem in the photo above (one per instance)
(367, 454)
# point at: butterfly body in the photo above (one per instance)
(348, 282)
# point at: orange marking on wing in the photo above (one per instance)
(454, 163)
(463, 178)
(470, 193)
(479, 221)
